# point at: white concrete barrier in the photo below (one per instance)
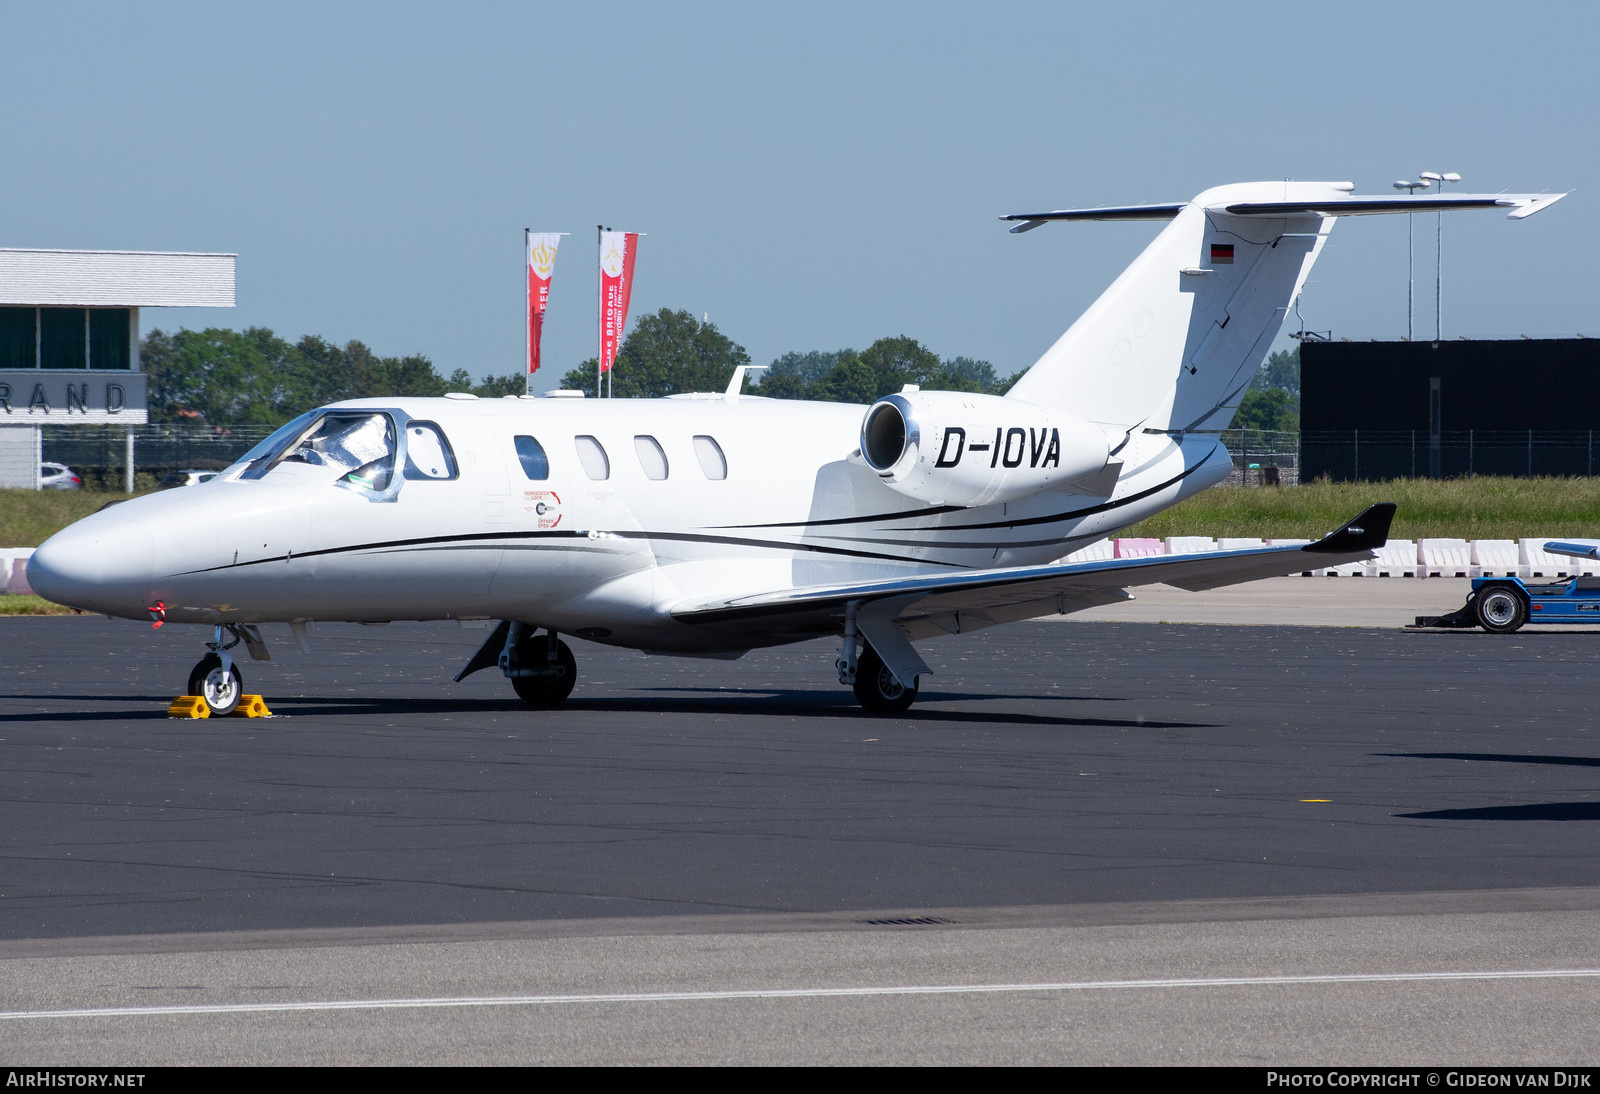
(1100, 550)
(18, 585)
(1397, 558)
(1494, 558)
(1442, 557)
(1239, 543)
(1535, 561)
(1137, 547)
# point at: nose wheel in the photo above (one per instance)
(219, 685)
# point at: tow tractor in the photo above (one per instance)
(1504, 604)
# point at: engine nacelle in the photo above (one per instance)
(952, 448)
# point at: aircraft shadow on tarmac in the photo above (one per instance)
(1498, 757)
(1559, 811)
(770, 703)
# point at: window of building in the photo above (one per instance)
(712, 461)
(108, 338)
(535, 464)
(651, 457)
(65, 338)
(19, 338)
(593, 457)
(428, 453)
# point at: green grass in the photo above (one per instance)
(29, 517)
(1477, 507)
(32, 605)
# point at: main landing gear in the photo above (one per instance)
(877, 688)
(540, 666)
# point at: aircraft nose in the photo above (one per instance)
(101, 564)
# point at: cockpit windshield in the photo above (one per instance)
(357, 446)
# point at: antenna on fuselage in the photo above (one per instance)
(737, 383)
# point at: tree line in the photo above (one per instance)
(254, 377)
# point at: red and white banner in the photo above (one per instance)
(616, 285)
(541, 265)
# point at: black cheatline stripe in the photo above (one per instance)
(852, 520)
(478, 537)
(1104, 507)
(779, 545)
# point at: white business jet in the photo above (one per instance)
(709, 525)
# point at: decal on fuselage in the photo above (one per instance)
(1008, 449)
(544, 504)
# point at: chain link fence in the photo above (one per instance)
(1349, 455)
(101, 453)
(1262, 457)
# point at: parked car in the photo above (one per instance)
(185, 478)
(58, 476)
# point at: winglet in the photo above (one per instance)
(1367, 532)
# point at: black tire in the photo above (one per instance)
(1501, 609)
(545, 691)
(220, 691)
(876, 689)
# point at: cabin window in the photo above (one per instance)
(651, 457)
(712, 461)
(535, 464)
(593, 457)
(428, 453)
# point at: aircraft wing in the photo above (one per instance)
(893, 611)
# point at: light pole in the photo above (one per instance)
(1411, 283)
(1438, 253)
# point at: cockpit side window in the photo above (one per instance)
(535, 464)
(361, 444)
(593, 457)
(428, 452)
(265, 455)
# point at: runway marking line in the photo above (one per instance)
(794, 993)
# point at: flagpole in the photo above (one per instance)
(527, 317)
(599, 316)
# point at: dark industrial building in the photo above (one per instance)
(1385, 410)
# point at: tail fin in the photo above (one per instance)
(1175, 340)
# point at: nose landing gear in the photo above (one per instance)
(218, 684)
(215, 678)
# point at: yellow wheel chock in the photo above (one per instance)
(193, 706)
(188, 706)
(251, 706)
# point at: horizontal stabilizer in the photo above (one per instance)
(1519, 206)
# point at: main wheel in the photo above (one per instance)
(545, 691)
(221, 690)
(1501, 609)
(877, 690)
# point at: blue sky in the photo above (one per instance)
(811, 175)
